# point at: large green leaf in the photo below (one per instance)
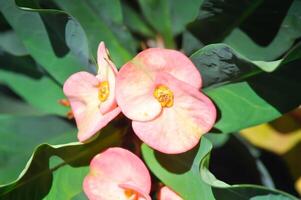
(10, 43)
(181, 171)
(67, 181)
(232, 20)
(188, 174)
(9, 105)
(30, 29)
(20, 135)
(42, 93)
(289, 31)
(40, 178)
(170, 17)
(219, 63)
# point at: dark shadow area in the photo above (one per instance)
(280, 88)
(4, 26)
(285, 124)
(279, 171)
(292, 157)
(20, 64)
(261, 20)
(55, 25)
(6, 91)
(234, 164)
(264, 23)
(181, 162)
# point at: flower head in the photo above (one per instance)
(159, 91)
(117, 174)
(92, 98)
(167, 194)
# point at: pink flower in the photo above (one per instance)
(167, 194)
(92, 98)
(117, 174)
(159, 91)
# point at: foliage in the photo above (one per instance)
(252, 77)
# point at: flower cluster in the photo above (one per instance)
(159, 90)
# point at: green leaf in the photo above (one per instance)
(190, 43)
(157, 14)
(35, 181)
(270, 197)
(217, 18)
(97, 28)
(9, 105)
(67, 181)
(219, 63)
(10, 43)
(289, 31)
(257, 100)
(188, 175)
(36, 91)
(170, 17)
(77, 41)
(30, 29)
(135, 22)
(181, 171)
(20, 135)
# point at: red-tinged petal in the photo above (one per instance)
(114, 170)
(81, 90)
(107, 71)
(167, 194)
(134, 93)
(178, 128)
(172, 62)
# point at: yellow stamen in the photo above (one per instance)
(131, 194)
(104, 91)
(164, 95)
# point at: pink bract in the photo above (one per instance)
(177, 124)
(119, 174)
(82, 90)
(167, 194)
(136, 100)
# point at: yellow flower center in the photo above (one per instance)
(131, 194)
(164, 95)
(103, 91)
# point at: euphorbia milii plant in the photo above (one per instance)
(117, 174)
(92, 97)
(159, 91)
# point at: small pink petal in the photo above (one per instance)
(103, 60)
(167, 194)
(134, 93)
(82, 91)
(172, 62)
(107, 71)
(113, 170)
(178, 128)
